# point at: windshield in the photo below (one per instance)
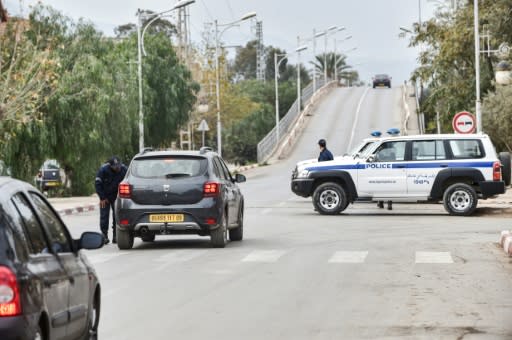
(362, 149)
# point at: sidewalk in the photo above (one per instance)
(75, 205)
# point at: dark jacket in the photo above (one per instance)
(108, 180)
(325, 155)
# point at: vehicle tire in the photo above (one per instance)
(460, 199)
(504, 158)
(38, 333)
(148, 238)
(93, 321)
(124, 239)
(219, 236)
(330, 199)
(237, 234)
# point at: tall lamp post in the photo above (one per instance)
(331, 30)
(336, 55)
(315, 35)
(278, 59)
(140, 47)
(217, 77)
(478, 104)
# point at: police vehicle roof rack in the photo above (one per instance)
(376, 134)
(393, 132)
(205, 149)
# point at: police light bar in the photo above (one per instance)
(393, 132)
(376, 134)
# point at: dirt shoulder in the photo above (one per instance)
(499, 206)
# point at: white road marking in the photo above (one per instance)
(177, 256)
(433, 257)
(102, 258)
(349, 257)
(354, 126)
(266, 256)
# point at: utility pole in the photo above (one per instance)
(260, 52)
(139, 71)
(478, 103)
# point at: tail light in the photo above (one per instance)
(125, 190)
(211, 189)
(496, 171)
(10, 304)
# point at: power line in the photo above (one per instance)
(207, 10)
(230, 10)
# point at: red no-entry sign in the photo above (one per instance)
(464, 122)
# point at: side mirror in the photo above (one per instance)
(371, 159)
(90, 240)
(239, 178)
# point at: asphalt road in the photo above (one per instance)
(410, 273)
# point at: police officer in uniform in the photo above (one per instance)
(325, 155)
(107, 180)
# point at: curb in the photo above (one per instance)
(246, 167)
(77, 210)
(506, 241)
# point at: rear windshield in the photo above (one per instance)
(168, 167)
(381, 76)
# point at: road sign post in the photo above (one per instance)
(203, 127)
(464, 123)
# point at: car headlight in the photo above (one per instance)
(303, 173)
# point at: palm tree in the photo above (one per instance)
(334, 60)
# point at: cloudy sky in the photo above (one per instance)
(373, 24)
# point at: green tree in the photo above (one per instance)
(331, 62)
(447, 60)
(498, 117)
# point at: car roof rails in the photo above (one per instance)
(376, 134)
(205, 149)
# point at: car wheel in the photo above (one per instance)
(219, 236)
(94, 320)
(504, 158)
(460, 199)
(330, 199)
(237, 234)
(124, 239)
(38, 333)
(148, 238)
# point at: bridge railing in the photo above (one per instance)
(269, 143)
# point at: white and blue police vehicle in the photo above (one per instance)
(457, 170)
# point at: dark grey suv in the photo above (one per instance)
(179, 192)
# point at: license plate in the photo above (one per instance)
(166, 218)
(52, 184)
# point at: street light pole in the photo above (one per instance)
(478, 103)
(299, 91)
(217, 75)
(278, 62)
(217, 89)
(276, 84)
(139, 72)
(140, 48)
(314, 57)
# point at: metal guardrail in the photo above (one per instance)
(269, 143)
